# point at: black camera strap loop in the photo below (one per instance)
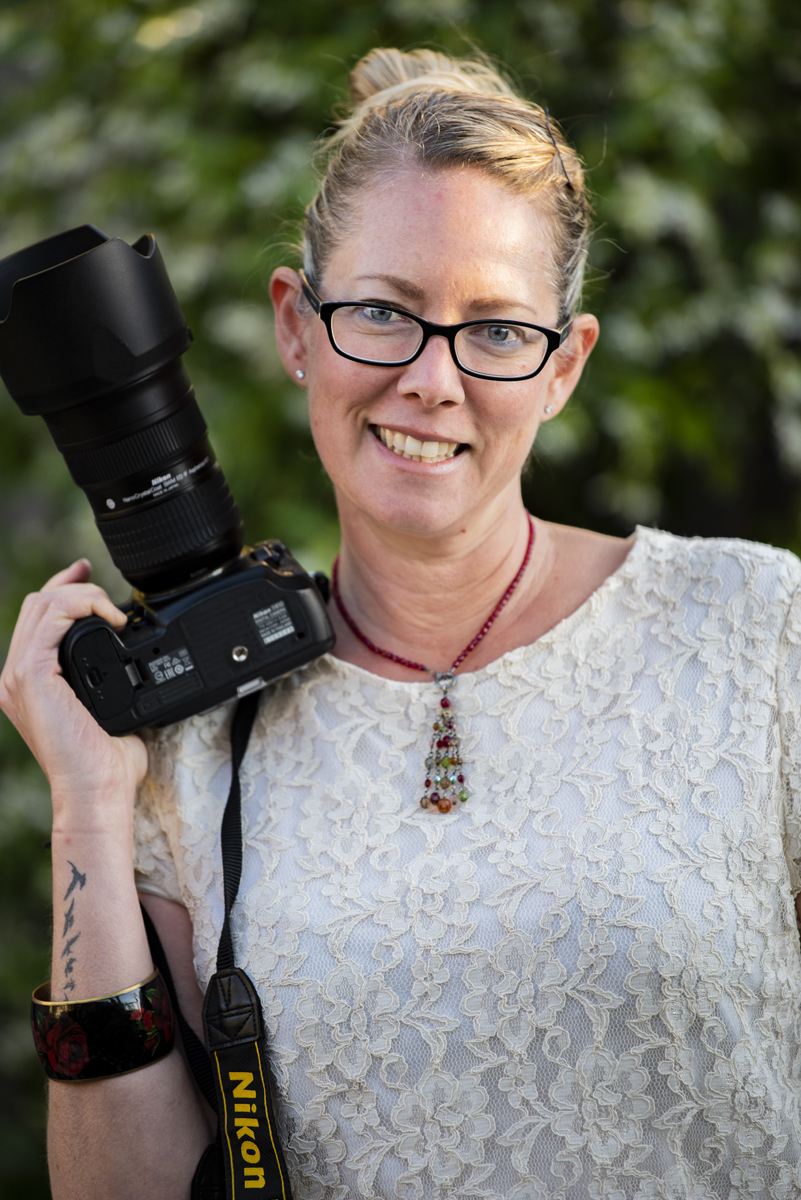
(230, 1070)
(231, 828)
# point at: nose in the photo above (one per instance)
(434, 377)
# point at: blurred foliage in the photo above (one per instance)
(198, 123)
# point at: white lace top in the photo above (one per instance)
(586, 982)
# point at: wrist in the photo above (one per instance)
(84, 820)
(99, 806)
(101, 781)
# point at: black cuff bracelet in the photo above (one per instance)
(78, 1040)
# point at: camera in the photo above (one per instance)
(91, 339)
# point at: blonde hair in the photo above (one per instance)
(424, 108)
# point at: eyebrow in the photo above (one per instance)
(411, 291)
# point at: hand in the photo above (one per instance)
(81, 761)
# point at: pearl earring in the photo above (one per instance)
(549, 408)
(300, 374)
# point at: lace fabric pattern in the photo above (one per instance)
(586, 983)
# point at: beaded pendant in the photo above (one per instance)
(445, 782)
(445, 787)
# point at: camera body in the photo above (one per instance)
(189, 652)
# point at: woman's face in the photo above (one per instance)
(450, 246)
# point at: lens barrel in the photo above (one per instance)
(91, 338)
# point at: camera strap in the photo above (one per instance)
(233, 1024)
(230, 1070)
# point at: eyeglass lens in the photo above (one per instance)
(381, 335)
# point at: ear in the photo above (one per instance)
(568, 362)
(290, 324)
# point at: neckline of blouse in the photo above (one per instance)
(642, 536)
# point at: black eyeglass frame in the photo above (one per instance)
(325, 310)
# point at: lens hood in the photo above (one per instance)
(82, 315)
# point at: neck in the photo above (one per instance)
(425, 598)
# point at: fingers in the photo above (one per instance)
(47, 615)
(77, 572)
(80, 572)
(44, 619)
(64, 737)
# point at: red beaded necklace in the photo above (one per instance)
(445, 783)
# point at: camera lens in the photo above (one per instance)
(91, 338)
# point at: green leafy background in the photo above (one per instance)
(198, 123)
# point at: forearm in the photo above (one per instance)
(133, 1135)
(139, 1135)
(136, 1134)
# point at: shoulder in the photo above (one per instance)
(727, 591)
(193, 750)
(198, 736)
(713, 568)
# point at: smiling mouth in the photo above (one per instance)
(406, 446)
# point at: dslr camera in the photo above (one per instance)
(91, 338)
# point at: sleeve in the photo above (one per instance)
(789, 700)
(155, 871)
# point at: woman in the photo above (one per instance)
(547, 948)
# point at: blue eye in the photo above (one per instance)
(500, 333)
(493, 337)
(380, 315)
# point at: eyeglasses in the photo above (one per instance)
(382, 336)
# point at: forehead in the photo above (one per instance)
(458, 226)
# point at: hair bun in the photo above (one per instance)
(392, 71)
(424, 111)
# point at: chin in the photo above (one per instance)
(420, 515)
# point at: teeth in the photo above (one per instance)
(414, 450)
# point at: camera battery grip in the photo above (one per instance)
(188, 652)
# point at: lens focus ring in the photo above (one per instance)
(173, 529)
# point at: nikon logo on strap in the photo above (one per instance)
(245, 1127)
(233, 1025)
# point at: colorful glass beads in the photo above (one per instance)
(444, 787)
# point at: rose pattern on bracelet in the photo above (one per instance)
(61, 1043)
(155, 1022)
